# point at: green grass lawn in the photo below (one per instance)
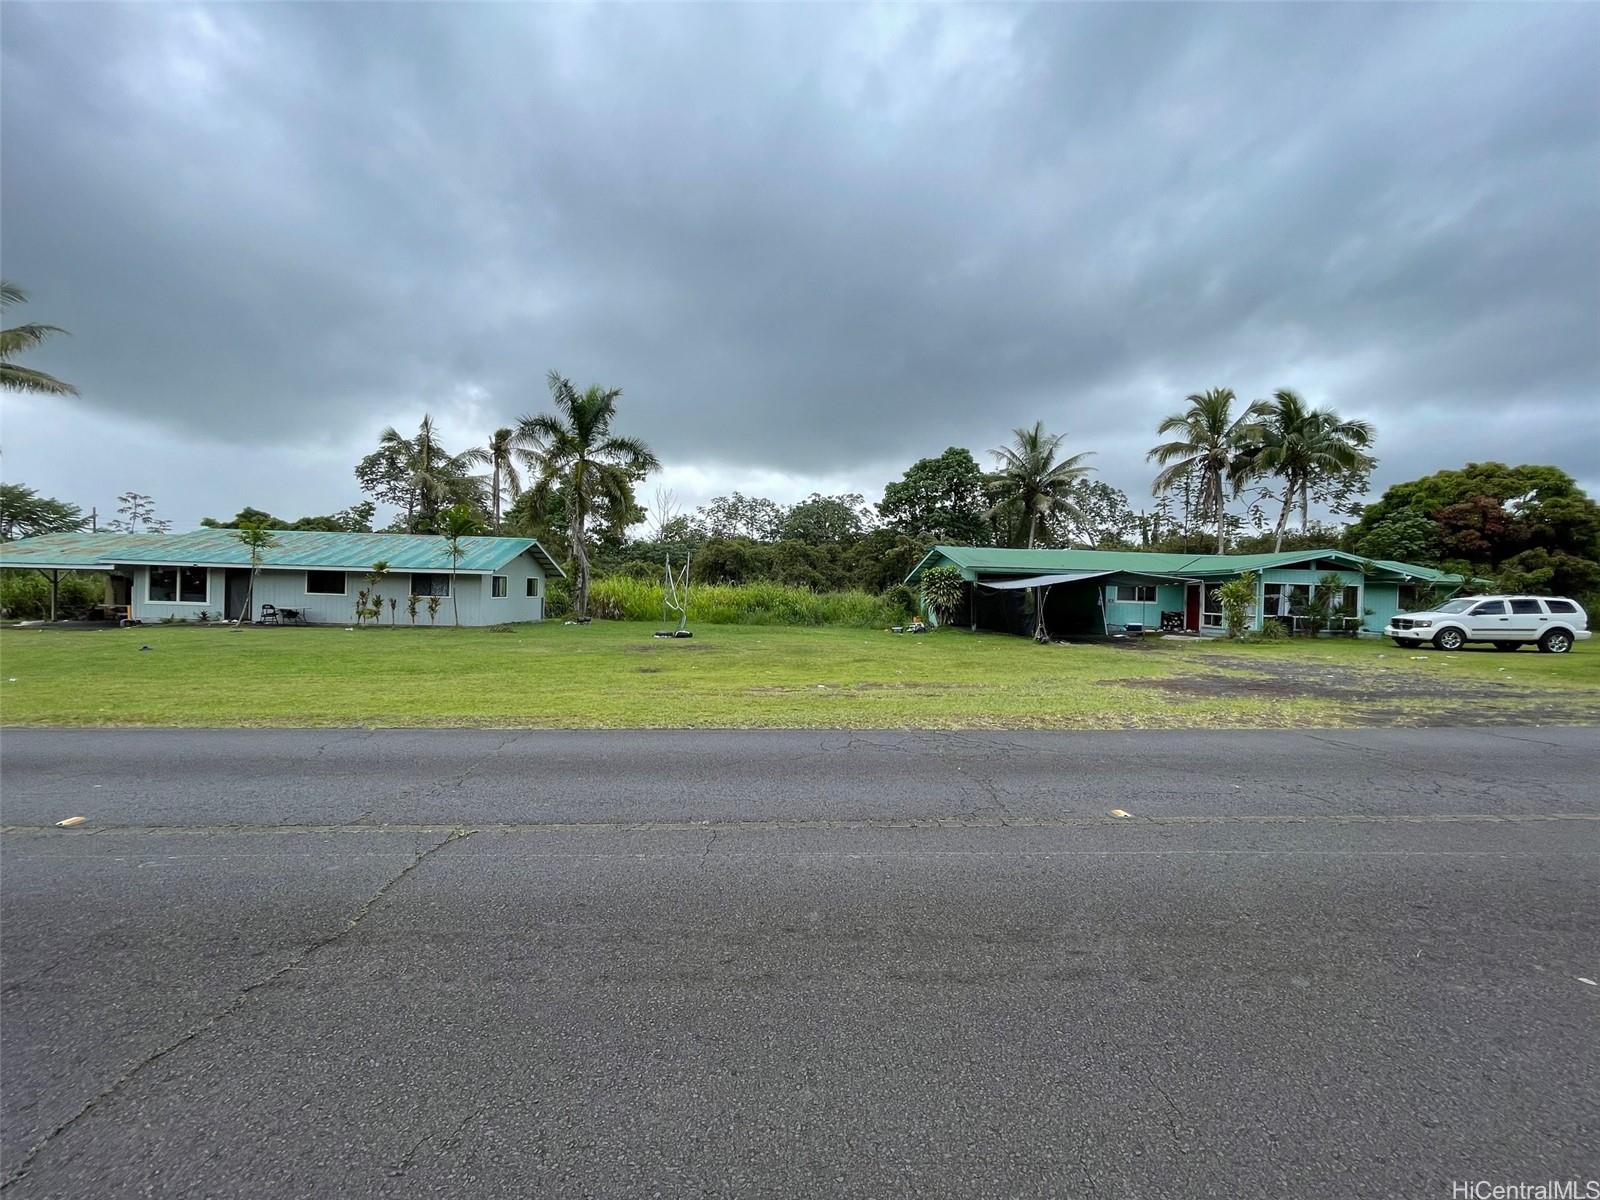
(614, 674)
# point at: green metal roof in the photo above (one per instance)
(993, 560)
(72, 551)
(296, 548)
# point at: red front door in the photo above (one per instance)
(1191, 608)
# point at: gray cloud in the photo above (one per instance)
(808, 243)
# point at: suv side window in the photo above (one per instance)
(1561, 606)
(1526, 606)
(1492, 608)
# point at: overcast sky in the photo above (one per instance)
(810, 243)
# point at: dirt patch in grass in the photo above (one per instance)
(1378, 697)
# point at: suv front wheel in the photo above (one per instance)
(1557, 641)
(1449, 639)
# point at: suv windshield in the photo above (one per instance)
(1455, 606)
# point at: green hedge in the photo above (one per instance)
(621, 598)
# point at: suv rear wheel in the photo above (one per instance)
(1449, 639)
(1557, 641)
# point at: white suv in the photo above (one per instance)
(1551, 623)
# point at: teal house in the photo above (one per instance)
(304, 576)
(1098, 592)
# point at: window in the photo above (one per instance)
(1494, 608)
(1561, 606)
(325, 583)
(1138, 594)
(430, 585)
(497, 587)
(1527, 606)
(533, 586)
(182, 585)
(1287, 599)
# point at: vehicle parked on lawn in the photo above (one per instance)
(1552, 623)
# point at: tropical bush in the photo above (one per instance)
(1236, 596)
(25, 595)
(622, 598)
(944, 590)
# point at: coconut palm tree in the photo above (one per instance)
(501, 457)
(1211, 447)
(1034, 481)
(1297, 444)
(1036, 484)
(574, 450)
(13, 376)
(432, 476)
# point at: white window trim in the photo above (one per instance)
(344, 580)
(149, 577)
(503, 595)
(1118, 597)
(411, 584)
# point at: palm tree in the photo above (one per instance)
(433, 476)
(1037, 485)
(501, 458)
(457, 522)
(1034, 481)
(1211, 446)
(1297, 444)
(13, 376)
(574, 449)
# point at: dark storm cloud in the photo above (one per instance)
(817, 240)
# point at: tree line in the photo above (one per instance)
(1229, 477)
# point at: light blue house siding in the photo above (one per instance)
(288, 588)
(1168, 598)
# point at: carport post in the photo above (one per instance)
(54, 577)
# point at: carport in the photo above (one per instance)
(1074, 602)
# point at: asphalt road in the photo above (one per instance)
(491, 964)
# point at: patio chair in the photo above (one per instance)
(269, 615)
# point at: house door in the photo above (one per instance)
(236, 586)
(1191, 608)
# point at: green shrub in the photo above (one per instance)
(1236, 596)
(557, 597)
(1273, 630)
(25, 595)
(621, 598)
(945, 591)
(903, 598)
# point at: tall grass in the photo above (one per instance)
(619, 598)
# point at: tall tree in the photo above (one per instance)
(502, 461)
(940, 499)
(138, 515)
(14, 377)
(418, 474)
(25, 513)
(1296, 444)
(575, 449)
(1209, 446)
(1033, 479)
(1037, 485)
(455, 523)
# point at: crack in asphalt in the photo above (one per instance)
(212, 1020)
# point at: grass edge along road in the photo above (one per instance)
(615, 675)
